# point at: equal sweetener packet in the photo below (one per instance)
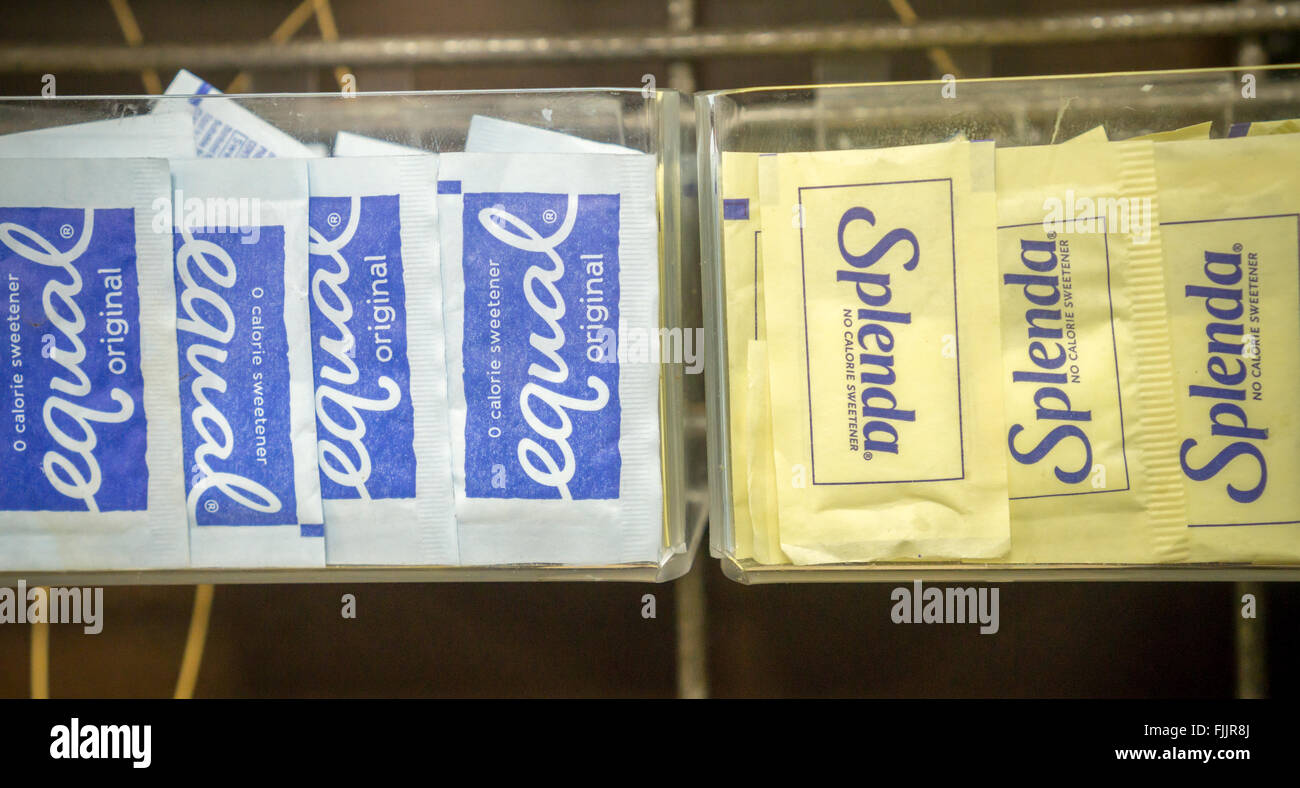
(221, 128)
(348, 144)
(1093, 466)
(493, 135)
(881, 265)
(138, 136)
(1230, 221)
(550, 269)
(378, 357)
(90, 436)
(252, 486)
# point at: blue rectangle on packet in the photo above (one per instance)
(364, 416)
(74, 430)
(735, 209)
(234, 376)
(540, 356)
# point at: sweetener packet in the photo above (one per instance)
(90, 438)
(221, 128)
(1199, 131)
(493, 135)
(1264, 128)
(764, 507)
(348, 144)
(550, 274)
(244, 334)
(1092, 468)
(1230, 223)
(138, 136)
(1094, 134)
(740, 261)
(378, 358)
(882, 386)
(754, 502)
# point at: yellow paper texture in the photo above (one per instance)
(1267, 127)
(1230, 222)
(740, 228)
(762, 492)
(1094, 134)
(881, 275)
(1201, 131)
(1092, 471)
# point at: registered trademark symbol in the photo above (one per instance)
(866, 455)
(66, 231)
(549, 216)
(1236, 247)
(334, 220)
(210, 506)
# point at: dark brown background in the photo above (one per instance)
(1107, 640)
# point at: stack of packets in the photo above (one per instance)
(1081, 353)
(225, 349)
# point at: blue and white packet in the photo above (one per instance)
(378, 358)
(547, 260)
(252, 491)
(221, 128)
(90, 437)
(493, 135)
(348, 144)
(136, 136)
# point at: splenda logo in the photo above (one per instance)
(876, 364)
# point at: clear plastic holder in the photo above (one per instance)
(1008, 111)
(644, 121)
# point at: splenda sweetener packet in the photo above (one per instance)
(880, 264)
(1092, 467)
(1230, 222)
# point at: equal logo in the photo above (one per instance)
(234, 373)
(541, 390)
(364, 415)
(74, 428)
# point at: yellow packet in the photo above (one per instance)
(1093, 472)
(762, 470)
(880, 269)
(1264, 128)
(740, 249)
(1201, 131)
(754, 511)
(1230, 222)
(1094, 134)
